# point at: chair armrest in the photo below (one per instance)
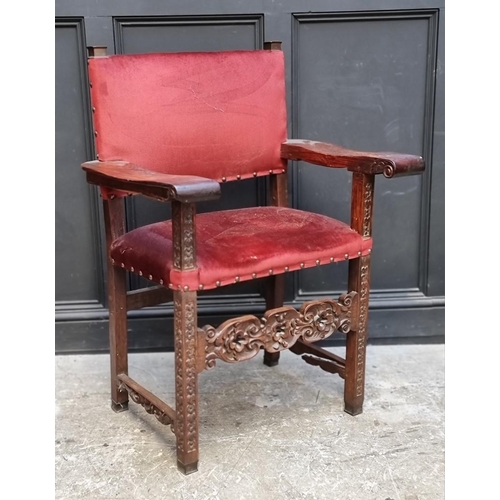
(124, 176)
(331, 155)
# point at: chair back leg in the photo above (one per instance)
(114, 218)
(118, 336)
(274, 294)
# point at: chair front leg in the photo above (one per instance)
(354, 388)
(359, 281)
(186, 381)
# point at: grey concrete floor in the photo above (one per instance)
(265, 433)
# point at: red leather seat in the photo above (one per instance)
(238, 245)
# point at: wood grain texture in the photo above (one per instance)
(186, 340)
(326, 360)
(97, 51)
(362, 204)
(301, 347)
(131, 178)
(331, 155)
(186, 381)
(151, 403)
(274, 45)
(114, 219)
(359, 282)
(148, 297)
(184, 236)
(274, 286)
(242, 338)
(274, 291)
(354, 389)
(326, 365)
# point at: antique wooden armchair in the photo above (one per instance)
(173, 127)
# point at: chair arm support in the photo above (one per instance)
(331, 155)
(128, 177)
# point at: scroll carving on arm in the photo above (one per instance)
(367, 162)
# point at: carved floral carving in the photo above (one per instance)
(242, 338)
(183, 229)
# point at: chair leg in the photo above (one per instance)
(118, 344)
(271, 358)
(354, 388)
(275, 294)
(186, 381)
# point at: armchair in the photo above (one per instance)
(174, 127)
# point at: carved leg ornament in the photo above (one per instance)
(114, 214)
(186, 381)
(359, 281)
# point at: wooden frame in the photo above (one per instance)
(238, 339)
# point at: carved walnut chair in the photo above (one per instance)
(173, 127)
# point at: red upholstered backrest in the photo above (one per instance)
(212, 114)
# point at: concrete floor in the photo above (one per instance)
(265, 433)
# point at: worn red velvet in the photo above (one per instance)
(234, 244)
(209, 114)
